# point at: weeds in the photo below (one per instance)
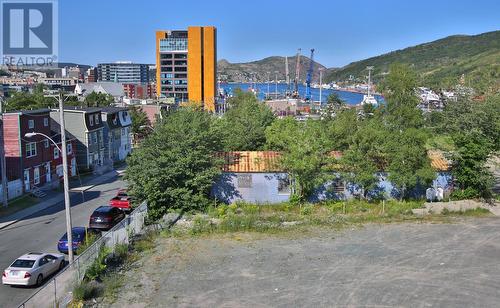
(241, 216)
(85, 291)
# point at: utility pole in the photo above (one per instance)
(268, 81)
(369, 68)
(276, 84)
(67, 205)
(5, 183)
(287, 74)
(320, 85)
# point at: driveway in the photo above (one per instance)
(387, 265)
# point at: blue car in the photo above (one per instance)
(79, 236)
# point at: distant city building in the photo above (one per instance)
(139, 90)
(186, 65)
(91, 75)
(124, 72)
(65, 83)
(71, 72)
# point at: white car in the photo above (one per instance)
(32, 268)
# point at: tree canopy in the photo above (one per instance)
(175, 167)
(243, 125)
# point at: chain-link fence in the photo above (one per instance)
(57, 291)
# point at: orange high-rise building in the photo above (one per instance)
(186, 65)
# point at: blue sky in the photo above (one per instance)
(93, 31)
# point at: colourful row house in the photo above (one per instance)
(35, 160)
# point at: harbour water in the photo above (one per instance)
(350, 98)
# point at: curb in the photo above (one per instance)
(48, 207)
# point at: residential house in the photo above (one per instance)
(115, 89)
(117, 133)
(255, 176)
(28, 159)
(85, 124)
(252, 176)
(71, 142)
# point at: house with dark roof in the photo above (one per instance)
(56, 163)
(85, 124)
(117, 133)
(27, 159)
(256, 177)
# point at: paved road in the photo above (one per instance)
(41, 232)
(387, 265)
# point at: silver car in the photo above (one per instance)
(32, 268)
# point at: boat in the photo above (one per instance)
(369, 99)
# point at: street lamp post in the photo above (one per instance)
(63, 150)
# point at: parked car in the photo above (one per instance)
(32, 268)
(80, 236)
(122, 201)
(105, 217)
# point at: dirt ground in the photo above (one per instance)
(382, 265)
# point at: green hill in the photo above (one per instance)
(257, 70)
(439, 63)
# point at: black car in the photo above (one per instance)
(105, 217)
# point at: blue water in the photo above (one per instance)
(348, 97)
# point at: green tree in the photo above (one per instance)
(469, 167)
(175, 167)
(140, 120)
(244, 124)
(341, 129)
(366, 155)
(95, 99)
(399, 92)
(333, 105)
(408, 163)
(304, 153)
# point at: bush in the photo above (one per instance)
(89, 240)
(99, 266)
(121, 251)
(85, 291)
(306, 210)
(468, 193)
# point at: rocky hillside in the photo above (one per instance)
(257, 70)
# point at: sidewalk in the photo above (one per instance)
(58, 197)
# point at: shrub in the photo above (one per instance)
(99, 266)
(85, 291)
(306, 210)
(468, 193)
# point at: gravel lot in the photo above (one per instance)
(387, 265)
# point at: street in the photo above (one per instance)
(41, 231)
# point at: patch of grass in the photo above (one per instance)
(18, 204)
(479, 212)
(111, 285)
(275, 218)
(85, 291)
(145, 242)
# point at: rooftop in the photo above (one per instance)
(29, 112)
(111, 109)
(268, 161)
(79, 109)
